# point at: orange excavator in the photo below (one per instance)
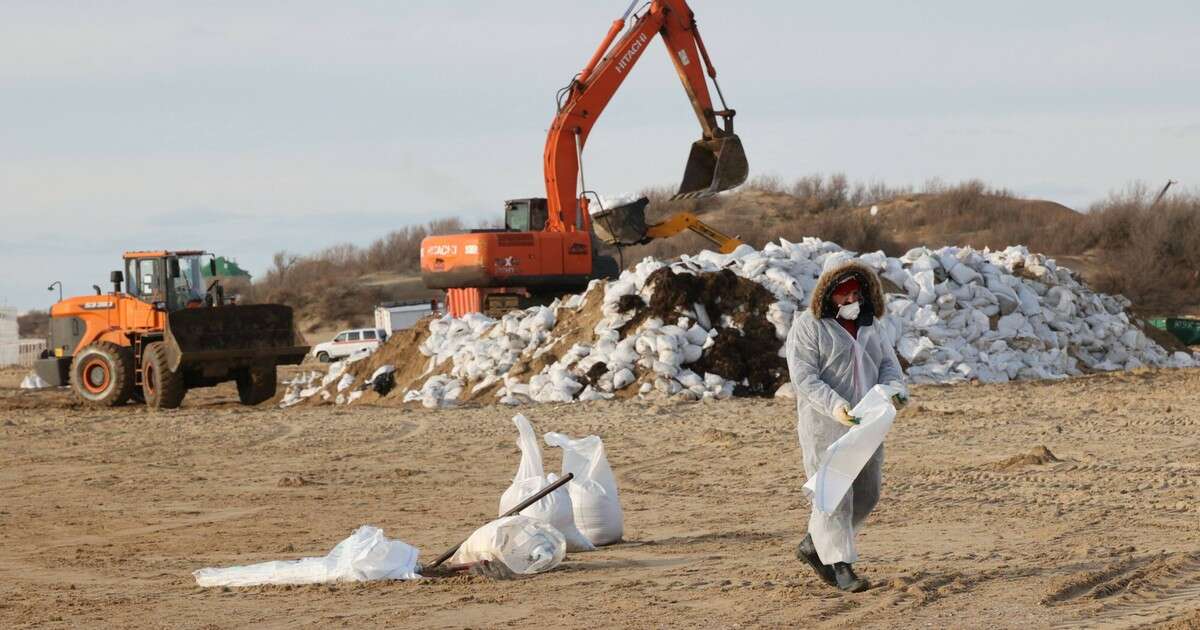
(546, 247)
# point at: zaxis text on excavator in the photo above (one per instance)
(546, 247)
(164, 334)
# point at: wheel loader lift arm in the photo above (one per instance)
(688, 221)
(595, 86)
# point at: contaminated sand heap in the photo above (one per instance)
(712, 326)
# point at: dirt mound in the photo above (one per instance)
(744, 350)
(572, 326)
(295, 481)
(401, 351)
(1037, 457)
(718, 437)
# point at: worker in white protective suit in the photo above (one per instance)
(835, 356)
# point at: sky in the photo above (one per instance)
(246, 128)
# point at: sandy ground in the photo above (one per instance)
(104, 514)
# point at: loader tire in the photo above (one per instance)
(102, 374)
(162, 388)
(256, 384)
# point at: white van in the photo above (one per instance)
(348, 342)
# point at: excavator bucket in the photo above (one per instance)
(714, 165)
(233, 335)
(622, 225)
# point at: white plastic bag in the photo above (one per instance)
(524, 544)
(593, 490)
(366, 555)
(33, 381)
(848, 454)
(555, 508)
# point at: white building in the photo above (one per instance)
(13, 349)
(10, 342)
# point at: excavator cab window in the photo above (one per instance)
(516, 216)
(525, 215)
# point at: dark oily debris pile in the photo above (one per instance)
(745, 348)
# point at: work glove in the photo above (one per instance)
(842, 415)
(900, 398)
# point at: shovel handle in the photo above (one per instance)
(517, 509)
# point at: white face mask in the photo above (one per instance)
(848, 311)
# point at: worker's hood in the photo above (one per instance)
(838, 268)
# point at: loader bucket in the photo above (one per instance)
(234, 335)
(713, 165)
(622, 225)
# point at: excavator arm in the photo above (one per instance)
(688, 221)
(625, 225)
(717, 161)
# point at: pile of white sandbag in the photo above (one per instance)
(953, 314)
(587, 512)
(998, 316)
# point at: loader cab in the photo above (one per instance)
(525, 215)
(171, 280)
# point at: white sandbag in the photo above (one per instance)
(594, 499)
(366, 555)
(33, 381)
(555, 508)
(844, 458)
(524, 544)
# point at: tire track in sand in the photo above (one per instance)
(1132, 593)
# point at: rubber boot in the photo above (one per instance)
(808, 553)
(847, 580)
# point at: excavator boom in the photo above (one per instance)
(546, 246)
(717, 161)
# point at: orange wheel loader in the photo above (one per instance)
(546, 247)
(166, 333)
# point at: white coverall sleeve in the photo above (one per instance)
(804, 367)
(889, 368)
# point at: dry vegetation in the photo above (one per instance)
(33, 324)
(334, 287)
(1149, 254)
(1121, 245)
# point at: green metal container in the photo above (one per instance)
(1186, 329)
(227, 269)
